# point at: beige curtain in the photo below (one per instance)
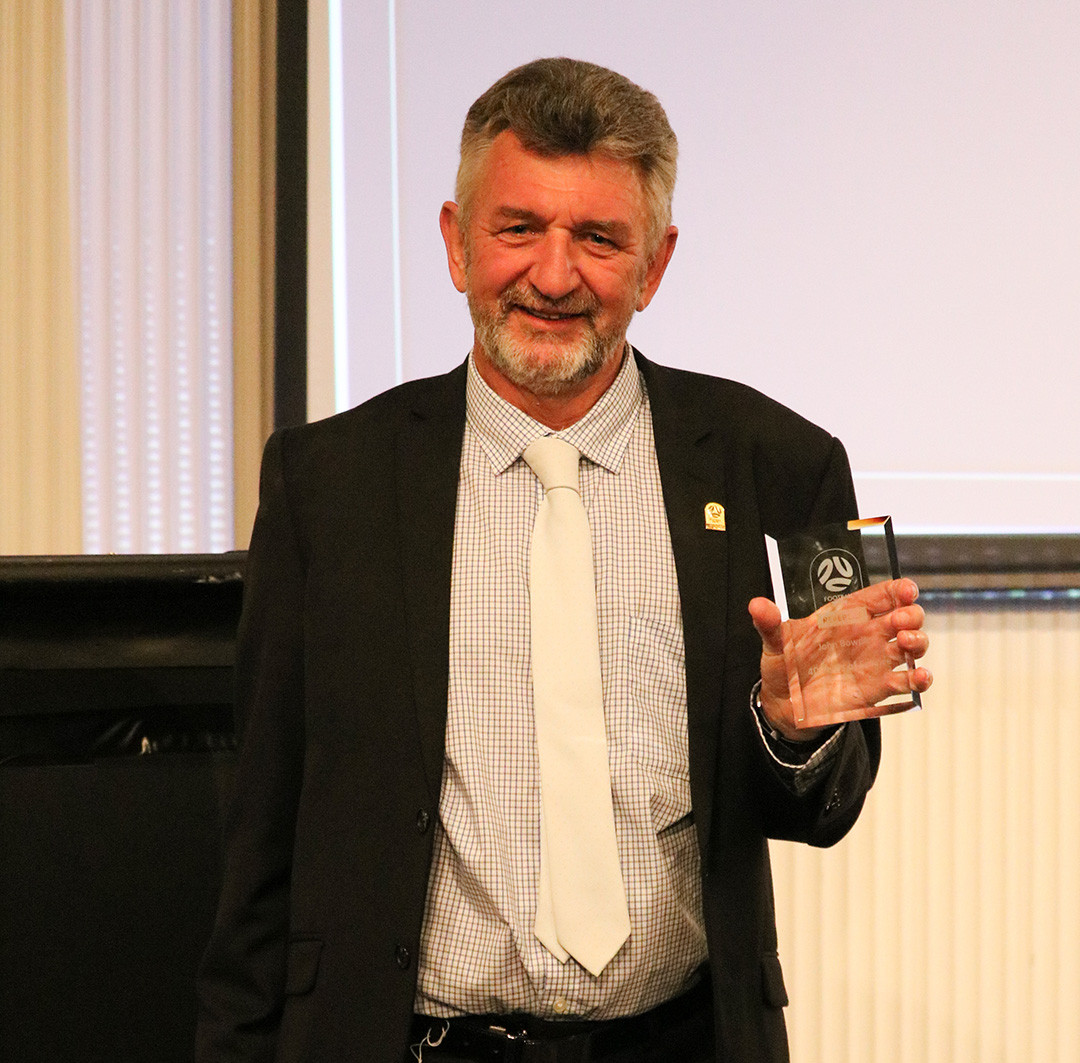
(946, 927)
(254, 63)
(39, 387)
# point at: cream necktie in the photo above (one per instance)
(581, 910)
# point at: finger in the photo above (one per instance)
(909, 617)
(920, 679)
(904, 681)
(875, 630)
(894, 661)
(915, 643)
(895, 656)
(766, 618)
(884, 597)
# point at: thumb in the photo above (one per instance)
(766, 618)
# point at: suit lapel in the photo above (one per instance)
(689, 453)
(428, 467)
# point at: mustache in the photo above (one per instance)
(528, 298)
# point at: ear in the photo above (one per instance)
(654, 274)
(449, 222)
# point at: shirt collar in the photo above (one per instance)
(602, 435)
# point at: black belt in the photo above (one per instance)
(525, 1039)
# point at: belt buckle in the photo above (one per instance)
(512, 1043)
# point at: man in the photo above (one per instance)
(393, 887)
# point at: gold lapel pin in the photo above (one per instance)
(714, 517)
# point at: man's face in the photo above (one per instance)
(554, 263)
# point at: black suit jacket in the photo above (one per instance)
(342, 690)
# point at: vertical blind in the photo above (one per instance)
(149, 85)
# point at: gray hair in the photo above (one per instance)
(559, 107)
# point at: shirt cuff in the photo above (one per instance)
(802, 762)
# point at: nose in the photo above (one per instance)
(554, 272)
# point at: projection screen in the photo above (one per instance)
(879, 214)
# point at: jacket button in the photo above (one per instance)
(402, 957)
(422, 821)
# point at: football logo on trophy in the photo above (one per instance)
(834, 573)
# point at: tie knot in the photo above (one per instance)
(554, 461)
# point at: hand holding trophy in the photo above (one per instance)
(836, 647)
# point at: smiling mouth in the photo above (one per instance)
(547, 315)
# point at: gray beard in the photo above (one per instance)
(557, 367)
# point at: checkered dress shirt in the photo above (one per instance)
(478, 952)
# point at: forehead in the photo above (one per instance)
(513, 178)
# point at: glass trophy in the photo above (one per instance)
(828, 638)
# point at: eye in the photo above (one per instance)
(521, 229)
(600, 243)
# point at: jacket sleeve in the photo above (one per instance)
(826, 812)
